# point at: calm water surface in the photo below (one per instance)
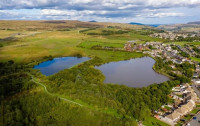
(133, 73)
(57, 64)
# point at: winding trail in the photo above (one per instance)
(65, 99)
(45, 88)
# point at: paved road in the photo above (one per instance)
(45, 88)
(196, 90)
(195, 122)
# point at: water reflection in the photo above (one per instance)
(133, 73)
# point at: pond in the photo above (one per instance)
(57, 64)
(136, 72)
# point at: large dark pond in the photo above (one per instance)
(57, 64)
(133, 73)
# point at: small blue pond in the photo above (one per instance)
(57, 64)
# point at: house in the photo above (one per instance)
(128, 47)
(176, 89)
(189, 105)
(186, 107)
(172, 66)
(187, 96)
(194, 97)
(197, 81)
(196, 75)
(189, 89)
(182, 111)
(177, 102)
(173, 116)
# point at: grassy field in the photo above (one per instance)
(62, 43)
(46, 43)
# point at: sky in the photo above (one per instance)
(122, 11)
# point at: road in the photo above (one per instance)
(196, 90)
(195, 122)
(45, 88)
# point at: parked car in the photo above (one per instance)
(194, 117)
(188, 124)
(183, 120)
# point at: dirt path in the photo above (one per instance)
(45, 88)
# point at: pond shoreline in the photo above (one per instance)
(136, 72)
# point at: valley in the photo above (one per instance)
(51, 73)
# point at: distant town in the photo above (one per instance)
(174, 36)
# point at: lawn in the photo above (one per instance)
(154, 122)
(195, 111)
(187, 117)
(195, 59)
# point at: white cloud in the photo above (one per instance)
(98, 4)
(161, 3)
(165, 15)
(55, 12)
(99, 9)
(52, 12)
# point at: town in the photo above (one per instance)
(174, 36)
(185, 96)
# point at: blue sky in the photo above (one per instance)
(123, 11)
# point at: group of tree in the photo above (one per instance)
(108, 32)
(188, 39)
(109, 104)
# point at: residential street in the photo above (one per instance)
(195, 122)
(196, 90)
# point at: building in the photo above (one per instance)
(182, 111)
(189, 89)
(186, 107)
(173, 116)
(196, 75)
(194, 97)
(187, 96)
(189, 105)
(197, 81)
(177, 102)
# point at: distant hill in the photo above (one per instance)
(184, 28)
(152, 25)
(135, 23)
(59, 25)
(195, 22)
(92, 21)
